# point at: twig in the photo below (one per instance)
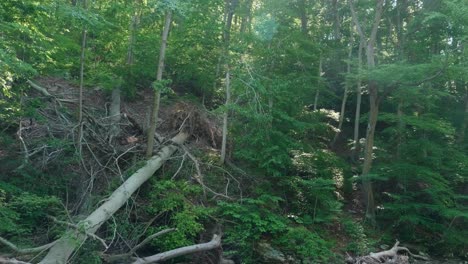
(180, 167)
(198, 176)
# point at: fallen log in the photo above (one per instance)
(73, 238)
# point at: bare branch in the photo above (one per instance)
(24, 251)
(214, 243)
(148, 239)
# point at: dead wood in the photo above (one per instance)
(395, 255)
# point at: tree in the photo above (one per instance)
(158, 85)
(374, 101)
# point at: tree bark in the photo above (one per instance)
(72, 239)
(157, 92)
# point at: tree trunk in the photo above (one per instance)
(114, 112)
(368, 156)
(357, 117)
(319, 83)
(72, 239)
(225, 116)
(80, 107)
(345, 95)
(374, 108)
(246, 19)
(461, 134)
(304, 20)
(157, 92)
(230, 6)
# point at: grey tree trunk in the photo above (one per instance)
(357, 117)
(319, 83)
(73, 239)
(157, 93)
(230, 7)
(374, 101)
(225, 116)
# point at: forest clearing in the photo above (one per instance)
(233, 131)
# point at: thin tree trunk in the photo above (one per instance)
(461, 134)
(230, 7)
(72, 239)
(157, 93)
(80, 107)
(319, 83)
(374, 109)
(345, 95)
(225, 116)
(245, 23)
(114, 112)
(304, 20)
(357, 117)
(401, 128)
(336, 22)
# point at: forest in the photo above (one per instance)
(233, 131)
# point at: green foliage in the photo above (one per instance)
(172, 198)
(247, 222)
(22, 213)
(305, 246)
(359, 243)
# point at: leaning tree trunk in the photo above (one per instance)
(71, 240)
(157, 93)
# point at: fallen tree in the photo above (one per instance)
(73, 238)
(393, 255)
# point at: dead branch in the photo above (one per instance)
(199, 178)
(387, 256)
(114, 258)
(25, 251)
(11, 261)
(214, 243)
